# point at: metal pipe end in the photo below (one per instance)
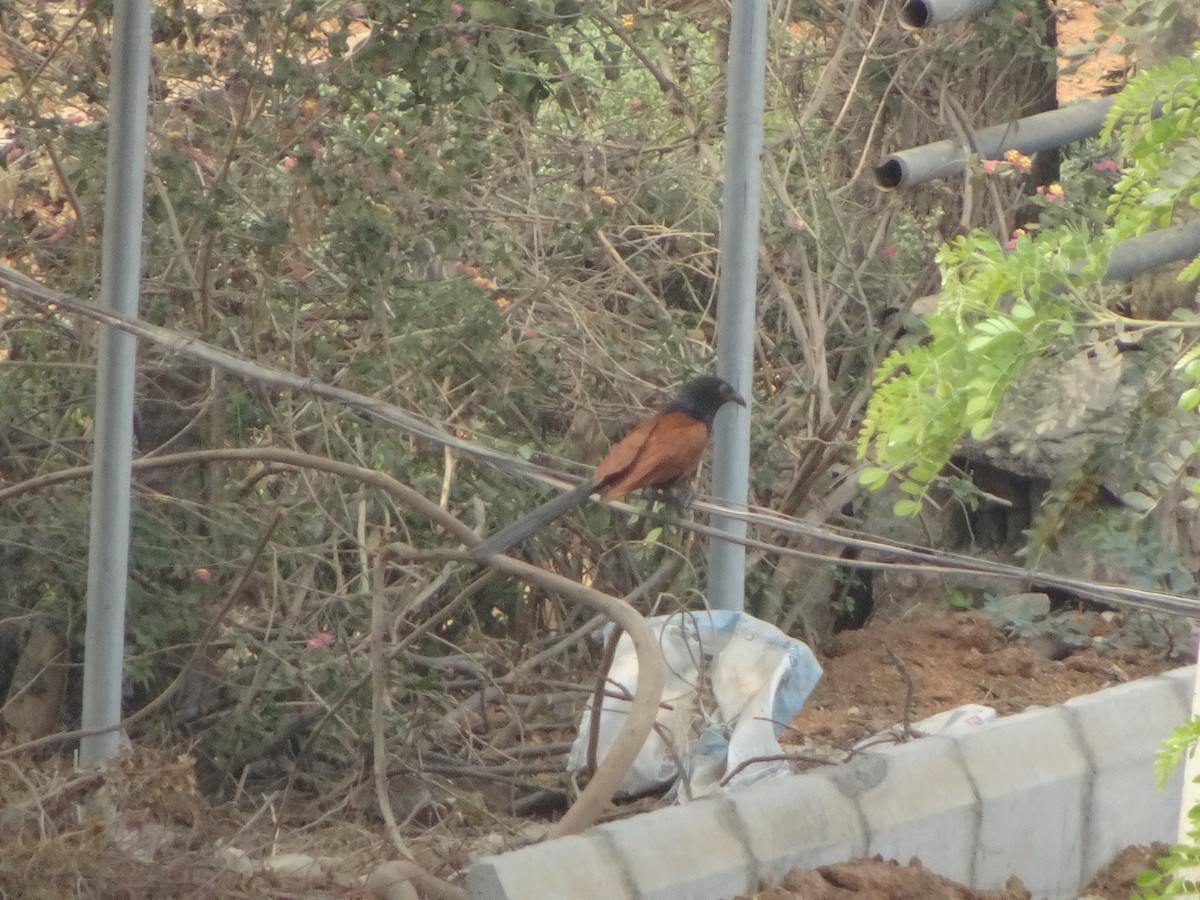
(890, 174)
(915, 15)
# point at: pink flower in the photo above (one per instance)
(1017, 234)
(457, 10)
(797, 224)
(991, 166)
(319, 640)
(289, 164)
(1106, 165)
(1020, 17)
(202, 574)
(889, 252)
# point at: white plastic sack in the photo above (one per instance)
(733, 684)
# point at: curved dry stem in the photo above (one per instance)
(651, 677)
(378, 701)
(404, 880)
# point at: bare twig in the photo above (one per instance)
(598, 694)
(906, 729)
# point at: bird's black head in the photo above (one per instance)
(702, 397)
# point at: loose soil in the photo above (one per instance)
(1076, 26)
(879, 879)
(952, 659)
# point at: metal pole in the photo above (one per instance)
(736, 291)
(1149, 251)
(1042, 131)
(120, 273)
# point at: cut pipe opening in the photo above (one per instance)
(914, 14)
(889, 174)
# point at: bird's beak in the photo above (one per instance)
(735, 397)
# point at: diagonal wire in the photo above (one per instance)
(891, 554)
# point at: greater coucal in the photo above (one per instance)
(659, 451)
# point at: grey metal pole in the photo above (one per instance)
(120, 273)
(1030, 134)
(736, 291)
(1149, 251)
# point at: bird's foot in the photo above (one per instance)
(678, 499)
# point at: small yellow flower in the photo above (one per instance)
(627, 21)
(1019, 161)
(604, 197)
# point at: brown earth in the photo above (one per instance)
(1076, 26)
(879, 879)
(952, 659)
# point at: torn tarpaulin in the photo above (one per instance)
(734, 682)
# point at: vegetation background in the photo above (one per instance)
(502, 216)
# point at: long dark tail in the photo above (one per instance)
(517, 531)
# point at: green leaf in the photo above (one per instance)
(1138, 501)
(1189, 399)
(873, 477)
(977, 343)
(1162, 473)
(980, 429)
(906, 507)
(978, 406)
(494, 13)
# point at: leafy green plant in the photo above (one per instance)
(1000, 310)
(961, 600)
(1174, 874)
(1003, 306)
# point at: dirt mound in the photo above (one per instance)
(879, 879)
(951, 660)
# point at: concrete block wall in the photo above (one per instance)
(1050, 795)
